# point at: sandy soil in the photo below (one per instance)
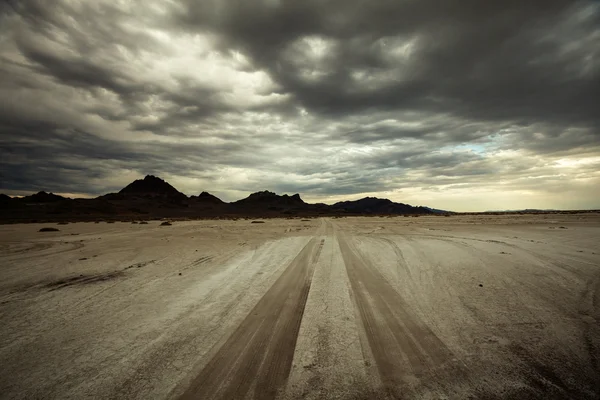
(343, 308)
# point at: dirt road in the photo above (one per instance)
(351, 308)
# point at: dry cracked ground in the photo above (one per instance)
(488, 307)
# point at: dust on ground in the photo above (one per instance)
(335, 308)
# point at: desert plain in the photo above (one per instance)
(466, 306)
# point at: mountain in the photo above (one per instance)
(151, 186)
(206, 197)
(152, 197)
(270, 203)
(206, 201)
(374, 205)
(42, 197)
(7, 202)
(271, 199)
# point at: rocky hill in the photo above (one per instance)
(207, 198)
(151, 186)
(42, 197)
(374, 205)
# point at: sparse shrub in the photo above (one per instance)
(62, 223)
(48, 229)
(166, 223)
(134, 222)
(257, 222)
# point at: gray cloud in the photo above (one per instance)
(331, 99)
(510, 60)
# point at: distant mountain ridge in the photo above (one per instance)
(43, 197)
(153, 197)
(273, 198)
(374, 205)
(526, 210)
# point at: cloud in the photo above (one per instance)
(415, 100)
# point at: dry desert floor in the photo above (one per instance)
(482, 307)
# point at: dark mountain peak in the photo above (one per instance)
(43, 197)
(4, 197)
(375, 200)
(261, 195)
(293, 198)
(151, 186)
(206, 197)
(152, 178)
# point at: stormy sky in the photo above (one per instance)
(456, 104)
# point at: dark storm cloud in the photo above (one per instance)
(324, 97)
(521, 61)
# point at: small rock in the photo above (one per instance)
(180, 274)
(480, 285)
(48, 229)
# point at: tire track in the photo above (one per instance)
(401, 259)
(16, 248)
(261, 349)
(317, 254)
(405, 349)
(40, 250)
